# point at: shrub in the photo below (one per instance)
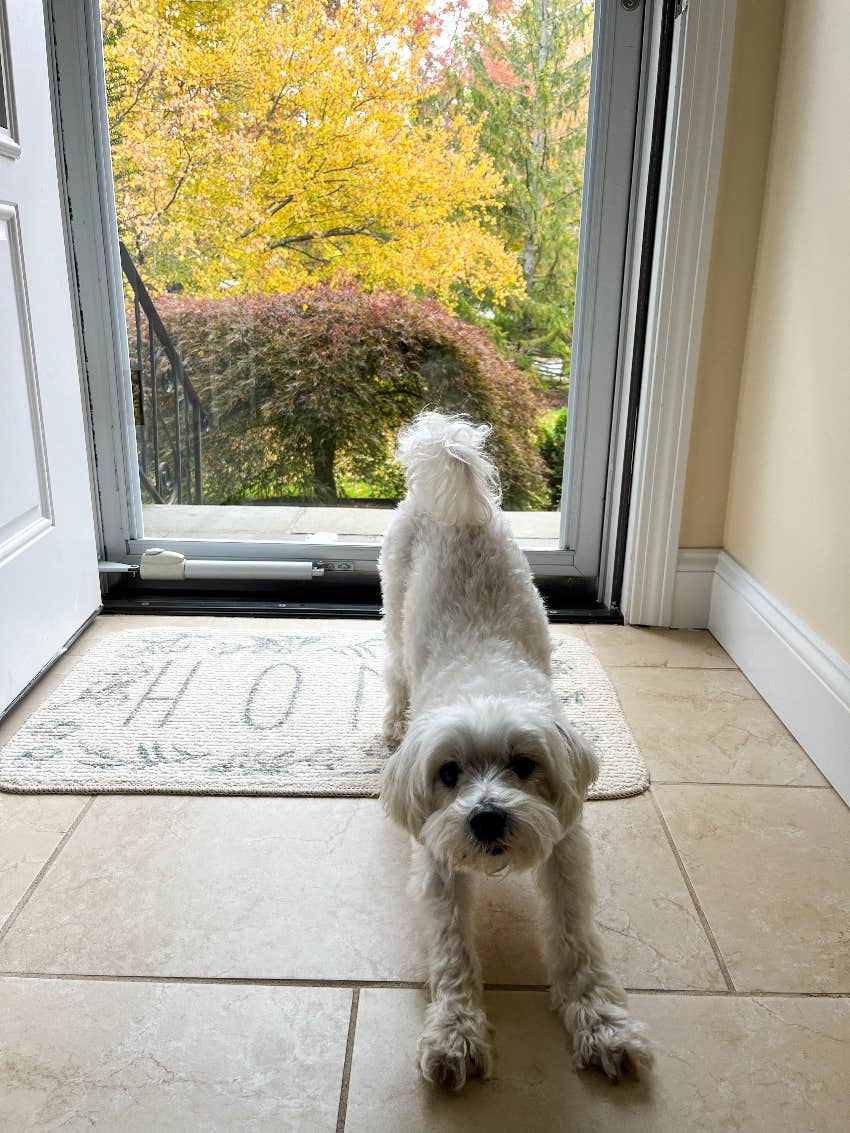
(551, 442)
(308, 388)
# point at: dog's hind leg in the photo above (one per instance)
(586, 996)
(394, 567)
(398, 698)
(455, 1043)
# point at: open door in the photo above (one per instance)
(48, 555)
(245, 403)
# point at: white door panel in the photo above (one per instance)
(25, 492)
(48, 557)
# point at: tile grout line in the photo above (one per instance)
(18, 909)
(238, 981)
(357, 986)
(342, 1112)
(707, 929)
(244, 981)
(678, 669)
(729, 783)
(704, 993)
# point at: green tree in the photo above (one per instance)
(522, 75)
(551, 443)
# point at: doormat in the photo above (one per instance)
(209, 712)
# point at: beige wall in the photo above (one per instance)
(788, 512)
(755, 62)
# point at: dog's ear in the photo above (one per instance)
(403, 784)
(579, 769)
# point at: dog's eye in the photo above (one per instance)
(449, 773)
(522, 766)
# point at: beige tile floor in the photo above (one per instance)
(187, 964)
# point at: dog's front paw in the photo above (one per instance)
(606, 1036)
(454, 1047)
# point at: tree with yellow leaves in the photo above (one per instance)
(262, 145)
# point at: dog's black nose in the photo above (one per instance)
(487, 823)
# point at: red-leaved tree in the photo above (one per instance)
(308, 388)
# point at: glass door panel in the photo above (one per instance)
(334, 215)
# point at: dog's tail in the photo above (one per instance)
(449, 475)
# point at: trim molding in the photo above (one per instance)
(804, 680)
(694, 579)
(702, 56)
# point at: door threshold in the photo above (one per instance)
(334, 601)
(247, 607)
(257, 608)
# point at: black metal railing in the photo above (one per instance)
(170, 418)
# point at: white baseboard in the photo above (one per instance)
(804, 680)
(692, 587)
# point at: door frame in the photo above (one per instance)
(694, 140)
(703, 45)
(79, 88)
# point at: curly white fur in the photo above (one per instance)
(449, 475)
(480, 739)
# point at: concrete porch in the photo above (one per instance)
(534, 529)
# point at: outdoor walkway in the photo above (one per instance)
(537, 529)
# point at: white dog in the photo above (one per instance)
(488, 775)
